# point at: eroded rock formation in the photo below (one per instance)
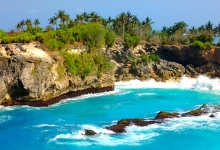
(29, 76)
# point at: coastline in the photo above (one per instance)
(49, 102)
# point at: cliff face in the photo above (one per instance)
(30, 76)
(175, 62)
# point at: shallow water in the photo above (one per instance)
(61, 126)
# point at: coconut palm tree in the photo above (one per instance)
(18, 27)
(53, 21)
(209, 26)
(36, 22)
(22, 24)
(28, 24)
(62, 16)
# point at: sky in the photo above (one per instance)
(162, 12)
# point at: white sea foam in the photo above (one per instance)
(104, 137)
(135, 135)
(201, 82)
(144, 94)
(4, 119)
(45, 125)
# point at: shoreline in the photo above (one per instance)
(201, 82)
(55, 100)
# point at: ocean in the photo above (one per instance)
(61, 126)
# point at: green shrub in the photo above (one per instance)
(110, 39)
(131, 41)
(2, 34)
(6, 40)
(198, 44)
(154, 57)
(54, 44)
(208, 45)
(201, 45)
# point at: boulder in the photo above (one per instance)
(212, 116)
(90, 132)
(196, 112)
(122, 124)
(164, 115)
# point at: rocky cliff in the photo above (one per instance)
(30, 76)
(175, 62)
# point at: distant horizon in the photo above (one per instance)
(165, 13)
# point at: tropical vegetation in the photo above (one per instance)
(95, 32)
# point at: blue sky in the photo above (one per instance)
(162, 12)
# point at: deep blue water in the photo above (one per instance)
(61, 126)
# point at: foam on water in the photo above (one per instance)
(45, 125)
(4, 119)
(201, 83)
(104, 137)
(136, 135)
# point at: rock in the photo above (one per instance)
(196, 112)
(122, 124)
(32, 78)
(3, 89)
(212, 116)
(90, 132)
(164, 115)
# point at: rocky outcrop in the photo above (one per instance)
(90, 132)
(175, 62)
(30, 76)
(161, 117)
(122, 124)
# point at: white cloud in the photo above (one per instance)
(32, 11)
(79, 10)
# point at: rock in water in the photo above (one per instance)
(90, 132)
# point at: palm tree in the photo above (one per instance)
(94, 17)
(18, 27)
(209, 26)
(36, 22)
(28, 23)
(53, 21)
(147, 26)
(64, 18)
(22, 24)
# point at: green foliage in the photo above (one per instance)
(2, 34)
(198, 44)
(204, 38)
(85, 64)
(201, 45)
(54, 44)
(131, 41)
(154, 57)
(110, 39)
(142, 59)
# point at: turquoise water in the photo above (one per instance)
(61, 126)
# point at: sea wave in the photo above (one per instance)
(201, 82)
(104, 137)
(4, 119)
(136, 135)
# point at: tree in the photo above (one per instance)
(36, 22)
(53, 21)
(18, 27)
(64, 18)
(209, 26)
(28, 24)
(147, 26)
(22, 24)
